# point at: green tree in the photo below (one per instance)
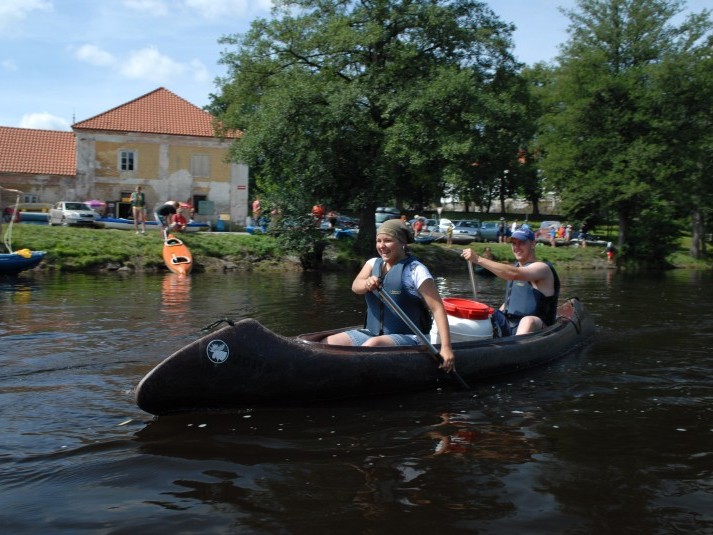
(355, 104)
(602, 145)
(683, 117)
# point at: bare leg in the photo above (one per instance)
(380, 341)
(339, 339)
(529, 324)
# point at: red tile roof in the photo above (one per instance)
(37, 152)
(157, 112)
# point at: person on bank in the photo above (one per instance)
(532, 290)
(412, 287)
(166, 217)
(138, 209)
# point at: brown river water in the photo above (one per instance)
(615, 438)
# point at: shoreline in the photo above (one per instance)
(105, 251)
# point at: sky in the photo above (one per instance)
(64, 61)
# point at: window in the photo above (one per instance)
(127, 160)
(200, 166)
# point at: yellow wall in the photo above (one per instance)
(107, 157)
(180, 158)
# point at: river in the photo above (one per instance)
(616, 438)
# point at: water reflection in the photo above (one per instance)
(175, 296)
(615, 438)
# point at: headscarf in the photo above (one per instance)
(396, 229)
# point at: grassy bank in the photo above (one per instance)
(82, 249)
(79, 249)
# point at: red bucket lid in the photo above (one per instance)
(466, 309)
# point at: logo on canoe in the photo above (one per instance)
(218, 351)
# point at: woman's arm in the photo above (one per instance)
(365, 281)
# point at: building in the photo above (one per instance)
(159, 141)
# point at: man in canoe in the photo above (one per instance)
(410, 284)
(532, 290)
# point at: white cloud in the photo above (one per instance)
(145, 64)
(95, 55)
(14, 11)
(157, 8)
(150, 64)
(8, 65)
(43, 121)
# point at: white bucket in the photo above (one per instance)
(468, 321)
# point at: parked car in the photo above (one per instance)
(443, 225)
(386, 213)
(489, 230)
(471, 227)
(342, 222)
(543, 233)
(72, 213)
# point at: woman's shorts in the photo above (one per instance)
(360, 336)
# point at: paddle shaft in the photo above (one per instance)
(472, 280)
(386, 298)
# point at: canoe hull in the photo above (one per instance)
(246, 365)
(177, 256)
(14, 263)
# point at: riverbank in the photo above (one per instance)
(101, 250)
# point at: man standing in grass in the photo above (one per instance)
(138, 209)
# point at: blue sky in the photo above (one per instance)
(67, 60)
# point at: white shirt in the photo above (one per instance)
(412, 277)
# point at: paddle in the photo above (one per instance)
(472, 280)
(386, 298)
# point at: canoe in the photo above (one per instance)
(177, 256)
(14, 263)
(121, 223)
(244, 364)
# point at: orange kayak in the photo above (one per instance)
(177, 256)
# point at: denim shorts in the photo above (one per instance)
(359, 336)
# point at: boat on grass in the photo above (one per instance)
(18, 261)
(121, 223)
(177, 256)
(245, 364)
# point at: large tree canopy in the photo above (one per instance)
(355, 104)
(608, 130)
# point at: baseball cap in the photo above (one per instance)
(523, 234)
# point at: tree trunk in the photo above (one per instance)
(366, 238)
(623, 229)
(698, 243)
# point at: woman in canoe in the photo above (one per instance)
(409, 283)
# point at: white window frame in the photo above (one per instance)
(128, 158)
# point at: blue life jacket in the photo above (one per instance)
(380, 319)
(522, 299)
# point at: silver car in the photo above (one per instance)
(72, 213)
(471, 227)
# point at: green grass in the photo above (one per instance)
(80, 249)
